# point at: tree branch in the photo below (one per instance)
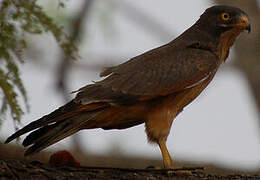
(15, 169)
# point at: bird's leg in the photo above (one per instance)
(167, 160)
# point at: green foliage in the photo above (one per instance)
(18, 17)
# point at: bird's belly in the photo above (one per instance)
(161, 115)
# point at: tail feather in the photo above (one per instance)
(55, 116)
(53, 133)
(73, 117)
(49, 138)
(37, 134)
(69, 110)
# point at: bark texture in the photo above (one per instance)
(16, 169)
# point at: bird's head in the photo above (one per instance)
(221, 19)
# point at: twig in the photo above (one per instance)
(63, 68)
(76, 29)
(145, 21)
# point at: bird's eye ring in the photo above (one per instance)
(225, 16)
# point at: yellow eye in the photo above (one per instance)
(225, 16)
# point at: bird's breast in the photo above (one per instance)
(227, 39)
(176, 102)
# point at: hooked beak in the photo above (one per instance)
(243, 23)
(248, 28)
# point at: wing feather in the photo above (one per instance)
(161, 74)
(158, 72)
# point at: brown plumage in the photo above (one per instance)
(151, 88)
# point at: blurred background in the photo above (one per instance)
(221, 127)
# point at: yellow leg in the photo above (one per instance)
(167, 160)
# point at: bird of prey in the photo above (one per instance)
(152, 88)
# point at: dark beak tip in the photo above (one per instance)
(248, 28)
